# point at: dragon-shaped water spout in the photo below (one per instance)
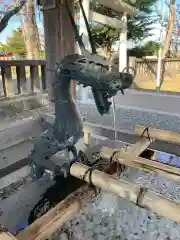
(89, 70)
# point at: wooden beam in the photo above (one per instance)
(119, 6)
(99, 18)
(56, 44)
(63, 212)
(55, 218)
(131, 192)
(163, 135)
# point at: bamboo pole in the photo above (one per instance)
(139, 147)
(131, 192)
(163, 135)
(55, 218)
(143, 164)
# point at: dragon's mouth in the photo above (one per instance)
(102, 101)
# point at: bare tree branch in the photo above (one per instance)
(16, 7)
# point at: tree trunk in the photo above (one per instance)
(170, 30)
(31, 34)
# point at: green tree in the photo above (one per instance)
(150, 48)
(16, 44)
(138, 27)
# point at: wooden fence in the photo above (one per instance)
(148, 67)
(27, 76)
(22, 76)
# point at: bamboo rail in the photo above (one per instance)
(131, 192)
(159, 134)
(143, 164)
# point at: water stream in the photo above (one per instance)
(114, 119)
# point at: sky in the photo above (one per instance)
(14, 23)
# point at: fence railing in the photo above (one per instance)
(148, 67)
(22, 76)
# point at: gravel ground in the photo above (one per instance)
(129, 117)
(109, 217)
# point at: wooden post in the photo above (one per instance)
(123, 44)
(132, 64)
(43, 77)
(59, 39)
(21, 79)
(83, 32)
(34, 76)
(7, 81)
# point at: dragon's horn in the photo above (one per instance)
(93, 48)
(75, 30)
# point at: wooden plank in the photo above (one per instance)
(21, 79)
(99, 18)
(7, 81)
(131, 192)
(20, 131)
(54, 219)
(34, 76)
(63, 212)
(119, 6)
(163, 135)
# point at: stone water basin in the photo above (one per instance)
(108, 217)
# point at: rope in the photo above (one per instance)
(120, 167)
(147, 131)
(140, 196)
(98, 164)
